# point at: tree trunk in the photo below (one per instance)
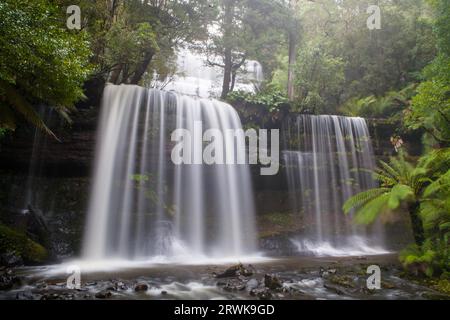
(141, 68)
(233, 80)
(291, 66)
(228, 34)
(292, 42)
(226, 74)
(93, 90)
(115, 73)
(416, 222)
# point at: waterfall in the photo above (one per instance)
(327, 161)
(142, 205)
(195, 77)
(33, 189)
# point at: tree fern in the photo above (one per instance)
(431, 212)
(384, 179)
(389, 171)
(437, 161)
(401, 184)
(24, 108)
(360, 199)
(442, 184)
(372, 209)
(399, 193)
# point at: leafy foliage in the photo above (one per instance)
(272, 100)
(131, 39)
(16, 242)
(40, 61)
(320, 79)
(244, 30)
(431, 106)
(430, 259)
(425, 190)
(400, 183)
(263, 109)
(341, 60)
(392, 105)
(126, 45)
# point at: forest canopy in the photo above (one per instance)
(40, 61)
(319, 56)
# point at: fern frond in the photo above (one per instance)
(403, 169)
(362, 198)
(372, 209)
(399, 193)
(440, 185)
(27, 110)
(384, 179)
(389, 171)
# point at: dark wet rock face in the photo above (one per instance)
(11, 259)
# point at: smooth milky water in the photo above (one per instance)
(142, 206)
(328, 162)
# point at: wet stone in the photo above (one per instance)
(141, 287)
(51, 296)
(105, 294)
(272, 282)
(25, 295)
(235, 271)
(121, 286)
(262, 293)
(8, 280)
(252, 284)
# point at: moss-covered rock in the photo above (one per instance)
(342, 280)
(17, 243)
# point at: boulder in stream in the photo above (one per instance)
(272, 282)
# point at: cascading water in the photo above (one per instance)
(34, 193)
(195, 77)
(330, 164)
(144, 206)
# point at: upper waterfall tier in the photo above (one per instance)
(195, 77)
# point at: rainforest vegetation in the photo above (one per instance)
(318, 57)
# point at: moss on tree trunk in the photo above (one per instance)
(416, 222)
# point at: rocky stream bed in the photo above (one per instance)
(293, 278)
